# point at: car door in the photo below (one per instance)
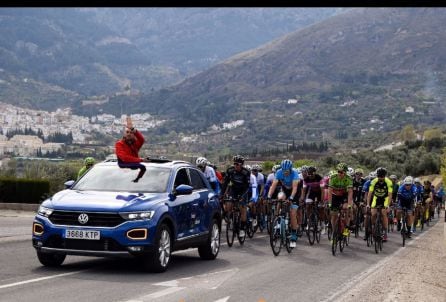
(181, 207)
(200, 207)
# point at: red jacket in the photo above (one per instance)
(129, 153)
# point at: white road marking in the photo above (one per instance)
(354, 281)
(161, 293)
(223, 299)
(38, 279)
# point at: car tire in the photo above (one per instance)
(158, 261)
(210, 249)
(51, 259)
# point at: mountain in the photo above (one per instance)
(57, 57)
(359, 71)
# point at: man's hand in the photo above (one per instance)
(129, 122)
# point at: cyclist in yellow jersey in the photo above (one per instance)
(380, 193)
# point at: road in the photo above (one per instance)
(240, 273)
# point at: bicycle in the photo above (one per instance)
(405, 232)
(313, 231)
(358, 219)
(234, 223)
(281, 229)
(271, 214)
(368, 228)
(378, 230)
(338, 237)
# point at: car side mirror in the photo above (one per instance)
(69, 184)
(183, 190)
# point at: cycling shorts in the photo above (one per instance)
(337, 202)
(287, 192)
(405, 203)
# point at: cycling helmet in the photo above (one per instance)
(359, 171)
(342, 167)
(286, 164)
(381, 172)
(350, 171)
(238, 159)
(393, 176)
(304, 169)
(372, 174)
(408, 180)
(248, 167)
(417, 180)
(201, 162)
(332, 173)
(275, 168)
(311, 169)
(256, 167)
(89, 161)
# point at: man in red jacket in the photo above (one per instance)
(127, 150)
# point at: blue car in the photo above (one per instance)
(104, 213)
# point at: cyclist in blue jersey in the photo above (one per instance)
(406, 195)
(288, 178)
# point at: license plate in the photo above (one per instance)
(83, 234)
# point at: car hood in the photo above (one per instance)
(71, 200)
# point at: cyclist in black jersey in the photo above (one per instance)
(236, 184)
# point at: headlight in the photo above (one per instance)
(138, 215)
(44, 211)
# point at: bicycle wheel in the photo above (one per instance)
(403, 233)
(368, 231)
(378, 234)
(329, 231)
(249, 229)
(310, 230)
(230, 230)
(335, 237)
(275, 239)
(287, 236)
(318, 230)
(341, 238)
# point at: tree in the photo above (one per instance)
(408, 134)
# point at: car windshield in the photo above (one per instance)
(115, 179)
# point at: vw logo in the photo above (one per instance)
(83, 218)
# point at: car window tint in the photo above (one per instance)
(115, 179)
(181, 178)
(197, 180)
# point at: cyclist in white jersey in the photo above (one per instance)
(209, 172)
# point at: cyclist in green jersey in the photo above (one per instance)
(340, 194)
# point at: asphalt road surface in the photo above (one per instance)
(240, 273)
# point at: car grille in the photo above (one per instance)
(94, 219)
(105, 244)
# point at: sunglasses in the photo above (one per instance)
(341, 172)
(237, 164)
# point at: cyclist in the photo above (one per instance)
(88, 163)
(340, 194)
(358, 183)
(365, 191)
(269, 181)
(312, 192)
(259, 178)
(203, 164)
(419, 209)
(427, 199)
(406, 195)
(396, 186)
(380, 193)
(237, 183)
(288, 178)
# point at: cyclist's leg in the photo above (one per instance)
(243, 214)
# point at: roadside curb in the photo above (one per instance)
(19, 206)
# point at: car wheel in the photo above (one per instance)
(51, 259)
(209, 251)
(159, 260)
